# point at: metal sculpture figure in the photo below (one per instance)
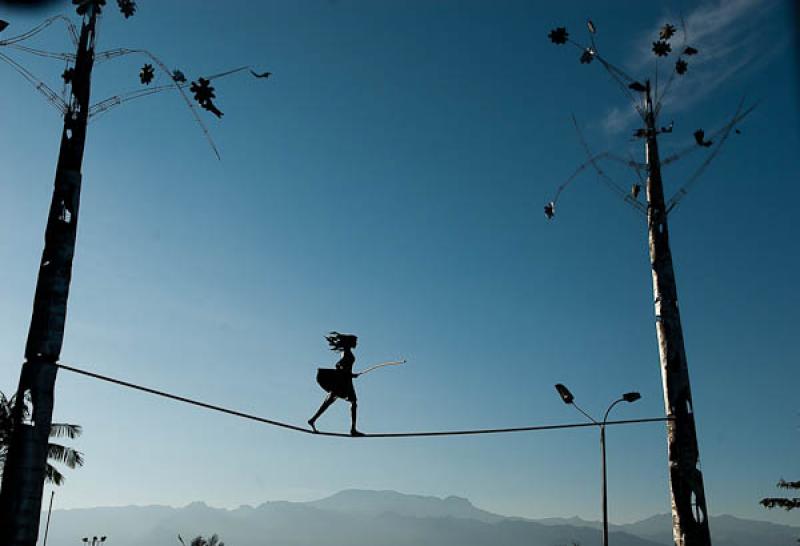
(338, 382)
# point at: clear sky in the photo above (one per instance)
(388, 181)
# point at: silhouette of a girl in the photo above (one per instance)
(339, 382)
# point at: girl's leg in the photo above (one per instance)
(353, 412)
(330, 399)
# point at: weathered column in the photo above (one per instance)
(689, 514)
(24, 471)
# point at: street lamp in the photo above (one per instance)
(569, 399)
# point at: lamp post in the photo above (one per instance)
(569, 399)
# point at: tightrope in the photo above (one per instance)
(296, 428)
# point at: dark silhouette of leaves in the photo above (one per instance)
(558, 35)
(550, 210)
(700, 138)
(681, 66)
(667, 32)
(84, 5)
(777, 502)
(636, 86)
(661, 48)
(587, 56)
(690, 51)
(178, 76)
(127, 7)
(203, 94)
(200, 541)
(147, 74)
(56, 453)
(261, 75)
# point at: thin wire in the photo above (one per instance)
(604, 177)
(296, 428)
(40, 27)
(105, 105)
(616, 73)
(637, 168)
(107, 55)
(44, 53)
(659, 98)
(52, 97)
(680, 154)
(681, 193)
(381, 365)
(713, 136)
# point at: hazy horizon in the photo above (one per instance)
(350, 516)
(597, 519)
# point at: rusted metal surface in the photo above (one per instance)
(24, 471)
(689, 513)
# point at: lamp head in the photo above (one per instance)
(631, 396)
(564, 393)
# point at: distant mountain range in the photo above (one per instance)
(379, 518)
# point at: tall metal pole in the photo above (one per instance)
(689, 514)
(49, 512)
(24, 472)
(605, 489)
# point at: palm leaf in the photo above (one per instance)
(55, 452)
(65, 455)
(61, 430)
(52, 475)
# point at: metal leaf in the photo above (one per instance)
(558, 35)
(667, 32)
(661, 48)
(147, 73)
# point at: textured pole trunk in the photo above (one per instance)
(24, 472)
(689, 515)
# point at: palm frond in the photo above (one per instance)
(61, 430)
(65, 455)
(52, 475)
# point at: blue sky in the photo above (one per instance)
(388, 181)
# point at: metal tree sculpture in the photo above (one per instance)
(24, 469)
(689, 512)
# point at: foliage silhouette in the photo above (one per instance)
(56, 453)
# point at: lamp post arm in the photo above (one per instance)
(592, 419)
(605, 417)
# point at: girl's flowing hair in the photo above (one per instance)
(340, 342)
